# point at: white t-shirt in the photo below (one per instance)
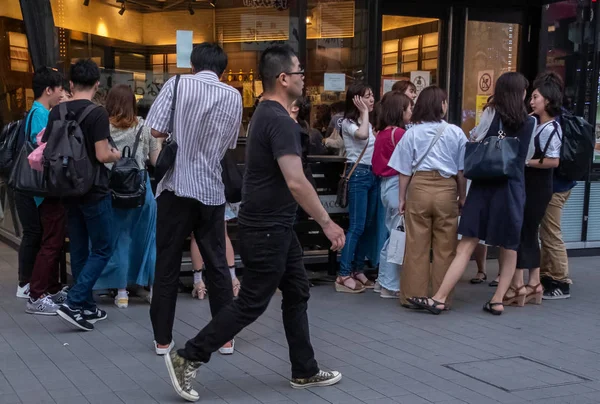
(447, 156)
(354, 146)
(544, 132)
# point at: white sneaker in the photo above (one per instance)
(44, 306)
(122, 301)
(163, 351)
(23, 292)
(228, 350)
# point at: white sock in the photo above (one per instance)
(197, 276)
(122, 294)
(232, 272)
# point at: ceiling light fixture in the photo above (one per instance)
(190, 8)
(122, 10)
(86, 2)
(213, 3)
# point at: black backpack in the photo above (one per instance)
(10, 138)
(577, 149)
(232, 177)
(68, 170)
(127, 180)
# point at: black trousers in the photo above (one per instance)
(272, 258)
(176, 219)
(31, 241)
(538, 190)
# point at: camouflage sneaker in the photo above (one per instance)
(321, 379)
(182, 372)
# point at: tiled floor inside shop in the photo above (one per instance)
(537, 354)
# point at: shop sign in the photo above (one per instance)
(330, 204)
(485, 82)
(388, 84)
(421, 79)
(481, 101)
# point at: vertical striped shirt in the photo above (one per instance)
(207, 122)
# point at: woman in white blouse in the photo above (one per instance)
(363, 188)
(430, 160)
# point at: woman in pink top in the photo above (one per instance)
(394, 113)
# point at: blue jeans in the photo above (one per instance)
(362, 207)
(389, 273)
(91, 246)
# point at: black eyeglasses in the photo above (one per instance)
(301, 72)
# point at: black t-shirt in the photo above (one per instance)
(95, 128)
(266, 198)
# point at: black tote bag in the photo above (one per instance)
(494, 157)
(168, 154)
(25, 179)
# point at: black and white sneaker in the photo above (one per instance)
(321, 379)
(74, 317)
(94, 316)
(558, 291)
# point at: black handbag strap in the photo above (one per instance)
(554, 132)
(137, 140)
(357, 161)
(173, 105)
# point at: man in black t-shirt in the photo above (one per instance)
(90, 216)
(274, 185)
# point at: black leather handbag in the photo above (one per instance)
(168, 154)
(494, 157)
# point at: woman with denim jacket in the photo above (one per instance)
(363, 188)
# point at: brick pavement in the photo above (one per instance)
(548, 354)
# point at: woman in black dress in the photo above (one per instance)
(546, 103)
(493, 211)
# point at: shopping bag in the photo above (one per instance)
(397, 244)
(37, 155)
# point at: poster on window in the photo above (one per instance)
(421, 79)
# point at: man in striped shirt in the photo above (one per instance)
(191, 196)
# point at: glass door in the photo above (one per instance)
(492, 45)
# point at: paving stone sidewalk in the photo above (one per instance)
(547, 354)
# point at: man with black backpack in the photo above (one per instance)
(89, 212)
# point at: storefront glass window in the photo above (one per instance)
(136, 43)
(491, 49)
(410, 51)
(16, 95)
(336, 33)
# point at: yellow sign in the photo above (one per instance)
(481, 103)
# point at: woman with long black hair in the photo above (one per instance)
(493, 211)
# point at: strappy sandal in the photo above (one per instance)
(476, 280)
(342, 287)
(368, 284)
(518, 299)
(489, 307)
(199, 291)
(534, 297)
(493, 284)
(423, 303)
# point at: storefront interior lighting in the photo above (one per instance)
(190, 8)
(213, 3)
(122, 10)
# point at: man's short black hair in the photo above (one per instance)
(85, 73)
(275, 60)
(45, 77)
(209, 56)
